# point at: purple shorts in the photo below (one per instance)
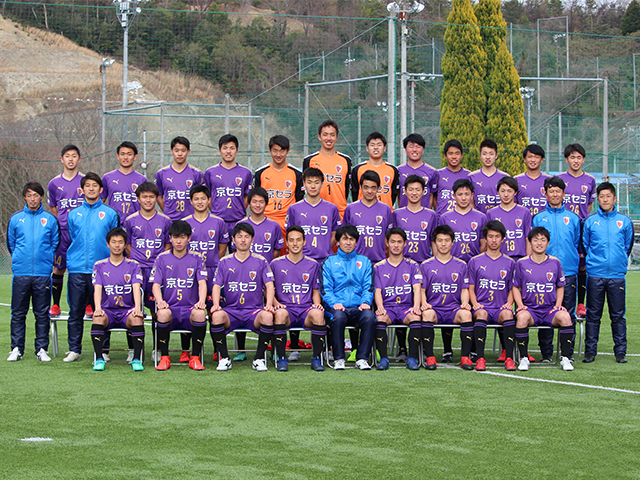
(181, 318)
(493, 314)
(398, 314)
(297, 316)
(446, 315)
(242, 318)
(60, 258)
(147, 295)
(117, 317)
(542, 318)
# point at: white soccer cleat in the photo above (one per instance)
(524, 364)
(224, 364)
(339, 365)
(130, 356)
(566, 364)
(259, 365)
(105, 357)
(15, 355)
(362, 364)
(71, 357)
(43, 356)
(294, 356)
(156, 355)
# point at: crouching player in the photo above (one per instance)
(179, 279)
(490, 281)
(297, 303)
(445, 299)
(118, 299)
(247, 281)
(397, 295)
(538, 290)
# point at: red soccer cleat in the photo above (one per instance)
(215, 357)
(509, 364)
(481, 365)
(581, 311)
(88, 311)
(165, 363)
(466, 363)
(54, 311)
(185, 357)
(502, 356)
(195, 364)
(288, 346)
(531, 359)
(431, 363)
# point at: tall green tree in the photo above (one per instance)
(631, 18)
(462, 105)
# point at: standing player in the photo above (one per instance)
(248, 298)
(397, 294)
(179, 280)
(447, 176)
(414, 148)
(490, 282)
(388, 174)
(268, 239)
(174, 181)
(445, 285)
(538, 288)
(531, 183)
(515, 218)
(121, 184)
(65, 193)
(297, 299)
(118, 299)
(335, 166)
(485, 180)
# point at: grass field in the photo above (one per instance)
(396, 424)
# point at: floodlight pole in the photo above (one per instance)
(635, 93)
(103, 71)
(391, 92)
(125, 66)
(605, 131)
(403, 79)
(127, 11)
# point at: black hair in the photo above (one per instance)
(371, 176)
(452, 143)
(281, 141)
(396, 231)
(462, 183)
(91, 176)
(350, 230)
(117, 232)
(68, 148)
(35, 186)
(415, 179)
(574, 147)
(199, 189)
(294, 228)
(510, 182)
(554, 182)
(534, 148)
(606, 186)
(443, 230)
(259, 191)
(494, 226)
(414, 138)
(312, 172)
(328, 123)
(228, 138)
(180, 227)
(149, 187)
(182, 141)
(535, 231)
(375, 136)
(488, 143)
(243, 227)
(130, 145)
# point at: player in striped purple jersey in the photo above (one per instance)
(485, 179)
(120, 185)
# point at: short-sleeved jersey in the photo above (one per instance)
(174, 187)
(147, 237)
(396, 282)
(579, 192)
(179, 277)
(119, 190)
(430, 176)
(372, 224)
(389, 182)
(337, 177)
(284, 188)
(446, 178)
(65, 195)
(243, 282)
(538, 282)
(468, 229)
(491, 278)
(318, 221)
(517, 222)
(444, 282)
(117, 282)
(531, 192)
(267, 238)
(485, 189)
(295, 282)
(418, 226)
(228, 188)
(206, 236)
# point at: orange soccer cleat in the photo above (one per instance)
(481, 365)
(195, 364)
(185, 357)
(165, 363)
(509, 364)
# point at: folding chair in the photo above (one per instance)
(331, 364)
(54, 331)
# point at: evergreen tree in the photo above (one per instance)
(463, 98)
(631, 19)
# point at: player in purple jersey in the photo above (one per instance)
(447, 176)
(490, 282)
(531, 183)
(229, 183)
(445, 299)
(485, 180)
(398, 296)
(118, 299)
(319, 218)
(65, 193)
(121, 184)
(371, 217)
(248, 298)
(538, 290)
(414, 146)
(175, 181)
(180, 288)
(466, 222)
(515, 218)
(297, 299)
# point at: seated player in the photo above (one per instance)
(179, 280)
(445, 300)
(297, 303)
(490, 279)
(398, 293)
(538, 290)
(248, 298)
(118, 298)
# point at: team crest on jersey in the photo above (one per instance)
(153, 271)
(252, 274)
(158, 232)
(518, 222)
(134, 187)
(127, 277)
(43, 221)
(339, 168)
(79, 191)
(287, 184)
(454, 276)
(101, 215)
(584, 188)
(189, 183)
(619, 223)
(424, 225)
(565, 220)
(549, 276)
(212, 233)
(324, 219)
(359, 264)
(387, 179)
(190, 272)
(267, 236)
(238, 181)
(542, 190)
(474, 225)
(406, 276)
(379, 219)
(503, 274)
(305, 277)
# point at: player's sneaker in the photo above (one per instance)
(330, 356)
(137, 365)
(105, 357)
(99, 364)
(447, 357)
(259, 365)
(546, 360)
(156, 355)
(481, 365)
(352, 356)
(431, 363)
(466, 363)
(531, 359)
(566, 364)
(283, 365)
(15, 355)
(509, 364)
(588, 358)
(524, 364)
(412, 363)
(165, 363)
(383, 364)
(43, 356)
(72, 357)
(502, 357)
(88, 312)
(185, 357)
(581, 310)
(240, 357)
(402, 356)
(316, 364)
(362, 364)
(224, 364)
(195, 364)
(339, 365)
(294, 356)
(130, 356)
(621, 358)
(54, 311)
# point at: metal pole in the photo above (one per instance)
(538, 42)
(161, 133)
(567, 37)
(635, 93)
(299, 68)
(598, 76)
(103, 70)
(249, 137)
(548, 150)
(323, 66)
(359, 133)
(413, 107)
(349, 68)
(511, 38)
(433, 55)
(403, 80)
(605, 131)
(529, 102)
(305, 136)
(391, 93)
(144, 153)
(559, 139)
(125, 65)
(227, 99)
(262, 139)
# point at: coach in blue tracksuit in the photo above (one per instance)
(347, 289)
(88, 227)
(608, 239)
(564, 227)
(32, 238)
